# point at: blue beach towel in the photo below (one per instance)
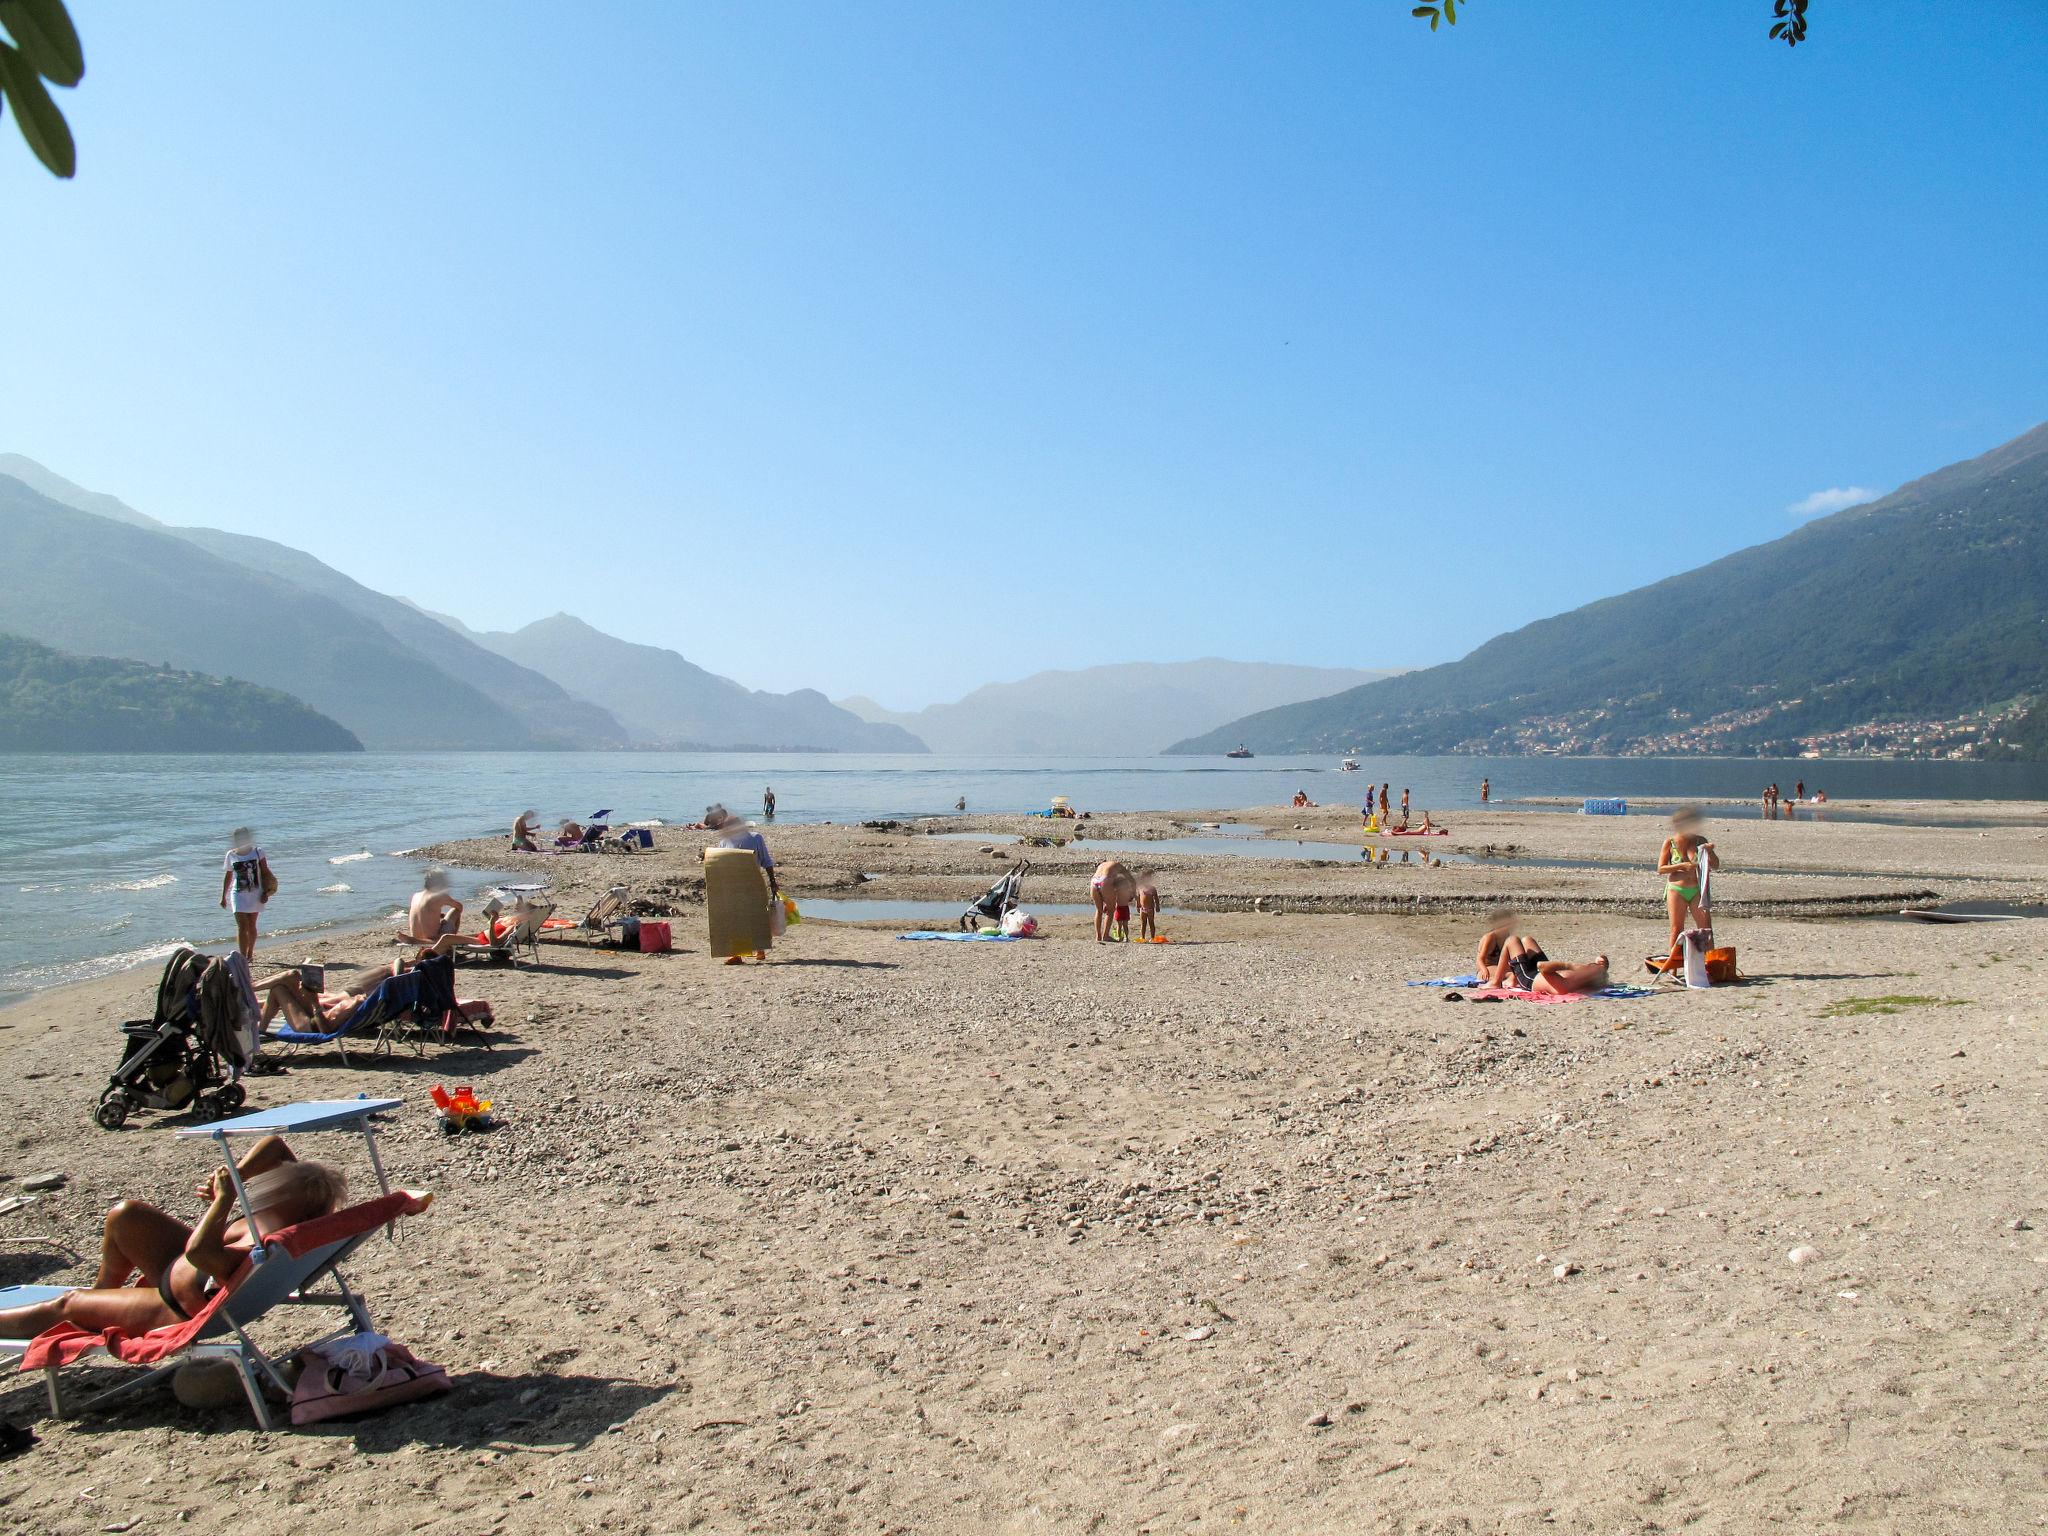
(962, 938)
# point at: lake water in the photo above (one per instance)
(106, 861)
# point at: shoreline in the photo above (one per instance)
(941, 870)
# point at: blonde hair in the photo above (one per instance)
(312, 1189)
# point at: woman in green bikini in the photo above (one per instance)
(1679, 864)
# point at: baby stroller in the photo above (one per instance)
(193, 1051)
(1001, 899)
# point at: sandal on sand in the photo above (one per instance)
(360, 1375)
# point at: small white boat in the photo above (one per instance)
(1350, 765)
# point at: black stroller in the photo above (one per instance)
(999, 902)
(192, 1053)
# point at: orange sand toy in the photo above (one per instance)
(462, 1110)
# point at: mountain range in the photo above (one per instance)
(1917, 622)
(1137, 708)
(665, 699)
(85, 573)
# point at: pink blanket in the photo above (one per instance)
(66, 1342)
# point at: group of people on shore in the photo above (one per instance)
(1776, 804)
(1686, 860)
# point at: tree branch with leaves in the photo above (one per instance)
(38, 44)
(1790, 27)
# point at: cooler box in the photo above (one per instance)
(1600, 807)
(653, 937)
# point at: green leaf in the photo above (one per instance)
(42, 30)
(36, 115)
(1424, 10)
(1432, 21)
(1451, 11)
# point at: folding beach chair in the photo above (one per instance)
(605, 914)
(502, 938)
(280, 1272)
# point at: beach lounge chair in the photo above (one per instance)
(502, 937)
(409, 1008)
(280, 1272)
(605, 914)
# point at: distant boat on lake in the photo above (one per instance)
(1242, 751)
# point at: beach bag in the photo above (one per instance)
(1019, 924)
(654, 938)
(789, 912)
(629, 933)
(778, 917)
(360, 1373)
(1694, 942)
(1721, 966)
(269, 881)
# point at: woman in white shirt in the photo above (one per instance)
(245, 875)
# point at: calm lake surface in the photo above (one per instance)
(106, 862)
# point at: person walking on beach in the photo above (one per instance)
(245, 874)
(1383, 805)
(734, 833)
(1404, 807)
(1485, 791)
(1678, 861)
(768, 803)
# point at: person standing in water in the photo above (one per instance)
(768, 803)
(245, 874)
(1404, 807)
(1485, 791)
(960, 804)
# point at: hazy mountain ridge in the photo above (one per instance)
(1891, 624)
(52, 701)
(380, 664)
(666, 699)
(1129, 708)
(83, 583)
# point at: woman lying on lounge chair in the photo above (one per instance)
(287, 993)
(1512, 960)
(156, 1271)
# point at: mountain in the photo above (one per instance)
(1136, 708)
(85, 583)
(551, 716)
(667, 700)
(1891, 624)
(51, 701)
(31, 474)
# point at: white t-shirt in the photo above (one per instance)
(245, 884)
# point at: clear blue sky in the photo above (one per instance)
(896, 348)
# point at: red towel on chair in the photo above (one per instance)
(66, 1342)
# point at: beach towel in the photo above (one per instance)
(736, 902)
(962, 938)
(1516, 995)
(1447, 981)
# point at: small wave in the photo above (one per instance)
(39, 890)
(146, 883)
(335, 890)
(351, 858)
(36, 977)
(118, 923)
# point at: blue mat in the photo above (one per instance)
(962, 938)
(1447, 981)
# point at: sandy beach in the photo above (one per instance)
(1239, 1232)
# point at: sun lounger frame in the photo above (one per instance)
(286, 1285)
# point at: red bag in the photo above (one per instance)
(653, 938)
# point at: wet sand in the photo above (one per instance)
(1233, 1233)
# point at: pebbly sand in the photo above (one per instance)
(1232, 1233)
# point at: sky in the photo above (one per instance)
(898, 348)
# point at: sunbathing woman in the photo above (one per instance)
(1111, 887)
(156, 1271)
(287, 993)
(1511, 960)
(1678, 863)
